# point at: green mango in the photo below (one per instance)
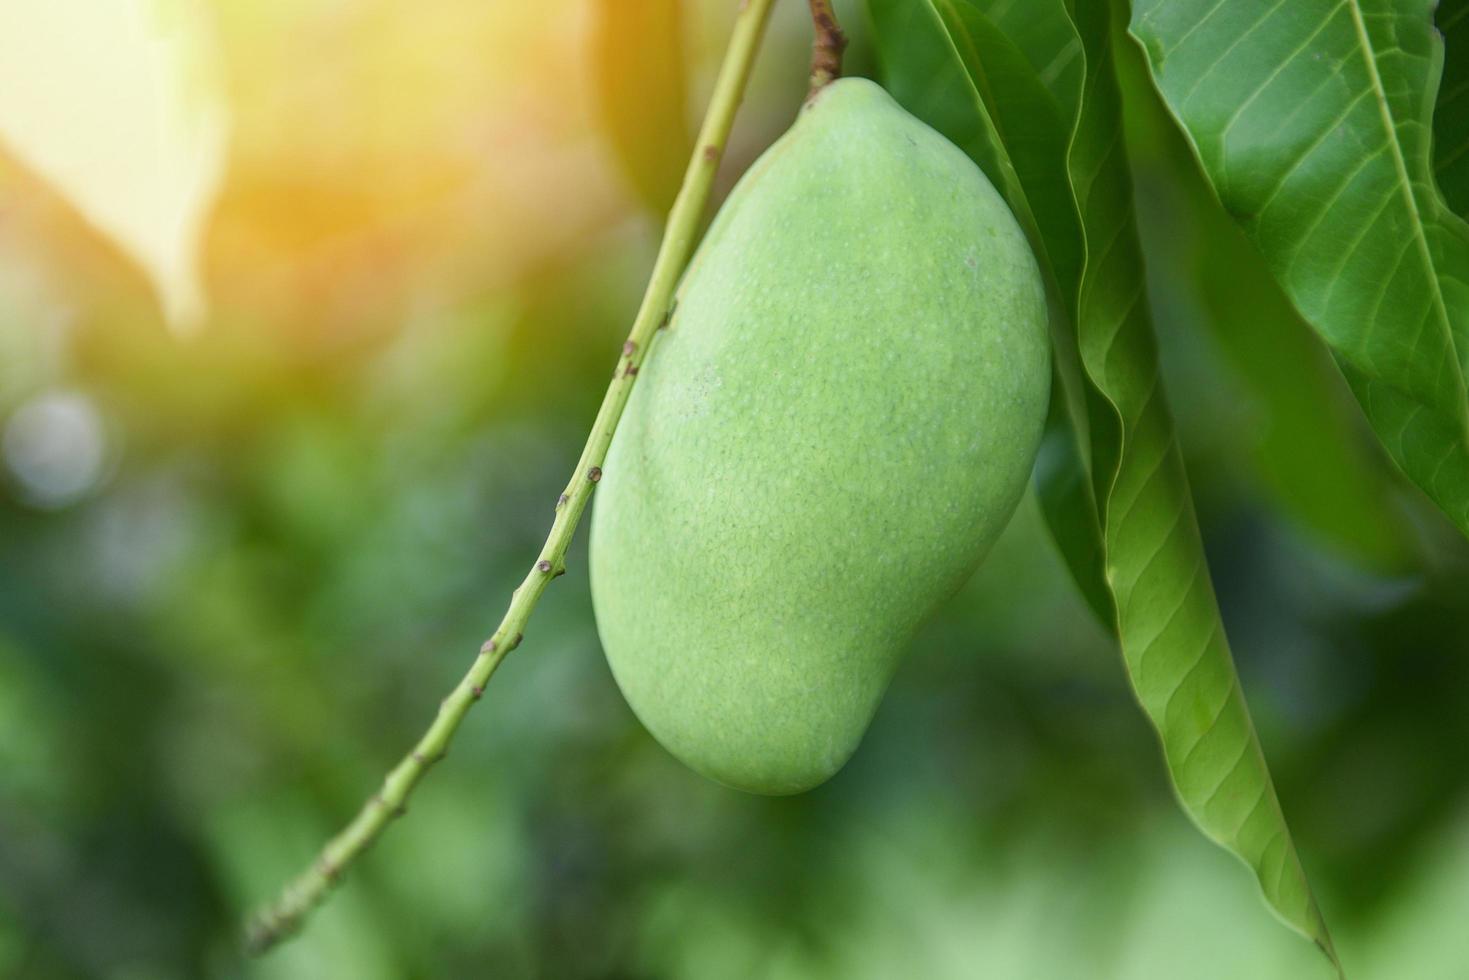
(829, 435)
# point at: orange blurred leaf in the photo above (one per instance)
(113, 105)
(638, 71)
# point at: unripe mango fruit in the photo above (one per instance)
(822, 445)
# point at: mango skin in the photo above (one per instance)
(822, 445)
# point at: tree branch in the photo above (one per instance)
(284, 917)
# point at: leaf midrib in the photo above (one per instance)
(980, 71)
(1405, 188)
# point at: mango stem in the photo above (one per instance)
(282, 918)
(826, 46)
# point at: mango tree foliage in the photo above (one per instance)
(1314, 123)
(1038, 81)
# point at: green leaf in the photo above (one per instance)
(1312, 121)
(1033, 121)
(1166, 615)
(637, 66)
(1303, 431)
(1451, 115)
(1168, 618)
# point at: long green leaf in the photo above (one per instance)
(1312, 120)
(1451, 115)
(1166, 615)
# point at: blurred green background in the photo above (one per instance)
(239, 569)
